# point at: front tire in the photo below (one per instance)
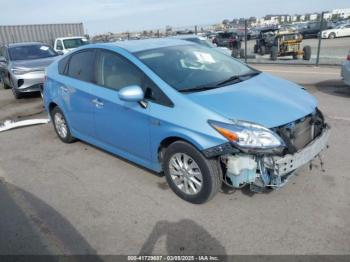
(274, 53)
(61, 126)
(189, 174)
(16, 94)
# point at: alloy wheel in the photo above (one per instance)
(185, 173)
(60, 125)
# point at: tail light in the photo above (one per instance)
(348, 57)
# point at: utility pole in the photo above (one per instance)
(319, 40)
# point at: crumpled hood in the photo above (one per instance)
(263, 99)
(35, 63)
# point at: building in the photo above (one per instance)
(341, 13)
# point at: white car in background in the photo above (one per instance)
(345, 71)
(338, 31)
(65, 44)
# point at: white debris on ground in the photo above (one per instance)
(9, 124)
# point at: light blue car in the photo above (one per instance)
(201, 117)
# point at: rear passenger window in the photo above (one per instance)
(116, 72)
(81, 66)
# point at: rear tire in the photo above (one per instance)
(274, 53)
(256, 49)
(3, 84)
(187, 170)
(307, 53)
(262, 50)
(234, 53)
(61, 126)
(241, 53)
(332, 36)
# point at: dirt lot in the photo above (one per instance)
(77, 199)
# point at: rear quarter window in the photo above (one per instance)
(63, 65)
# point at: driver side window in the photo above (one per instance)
(116, 72)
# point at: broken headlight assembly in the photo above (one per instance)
(249, 137)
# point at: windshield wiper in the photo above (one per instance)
(238, 78)
(235, 78)
(198, 88)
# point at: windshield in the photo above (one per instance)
(74, 43)
(187, 67)
(339, 27)
(30, 52)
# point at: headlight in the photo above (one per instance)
(250, 136)
(20, 71)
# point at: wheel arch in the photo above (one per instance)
(166, 142)
(51, 106)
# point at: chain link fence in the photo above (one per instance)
(286, 44)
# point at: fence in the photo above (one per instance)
(323, 51)
(332, 51)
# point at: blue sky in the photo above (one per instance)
(101, 16)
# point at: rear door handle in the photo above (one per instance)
(97, 103)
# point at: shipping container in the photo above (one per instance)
(45, 33)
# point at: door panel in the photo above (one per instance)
(347, 31)
(77, 100)
(76, 92)
(122, 125)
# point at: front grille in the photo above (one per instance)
(301, 132)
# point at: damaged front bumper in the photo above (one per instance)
(290, 162)
(270, 171)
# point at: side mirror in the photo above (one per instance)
(3, 59)
(59, 52)
(131, 94)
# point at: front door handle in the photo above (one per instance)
(97, 103)
(64, 89)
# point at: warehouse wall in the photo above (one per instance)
(45, 33)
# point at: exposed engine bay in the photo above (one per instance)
(305, 139)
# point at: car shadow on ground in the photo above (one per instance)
(29, 226)
(185, 237)
(333, 87)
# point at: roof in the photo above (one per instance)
(25, 44)
(70, 37)
(147, 44)
(189, 37)
(184, 37)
